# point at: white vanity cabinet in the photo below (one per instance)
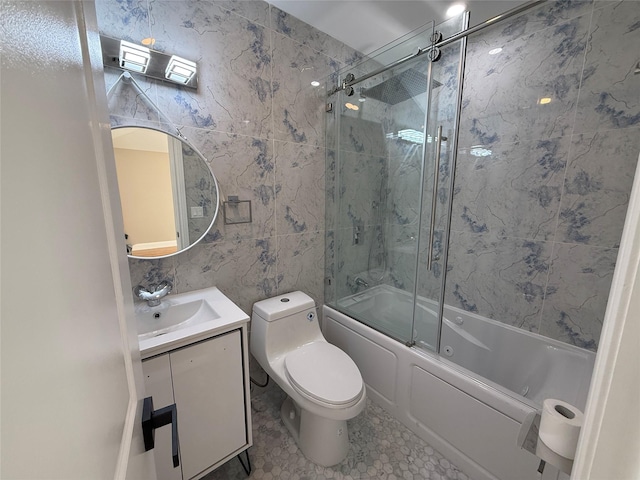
(208, 382)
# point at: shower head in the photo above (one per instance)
(401, 87)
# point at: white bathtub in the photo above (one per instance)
(471, 410)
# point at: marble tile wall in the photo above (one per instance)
(361, 174)
(200, 191)
(537, 223)
(259, 123)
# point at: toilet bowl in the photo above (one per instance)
(323, 385)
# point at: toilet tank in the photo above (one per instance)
(282, 324)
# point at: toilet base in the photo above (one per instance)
(322, 440)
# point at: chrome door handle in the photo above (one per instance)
(434, 199)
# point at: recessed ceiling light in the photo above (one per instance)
(495, 51)
(148, 41)
(544, 101)
(455, 9)
(315, 83)
(351, 106)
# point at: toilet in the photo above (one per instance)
(323, 385)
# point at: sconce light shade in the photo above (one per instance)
(180, 70)
(134, 57)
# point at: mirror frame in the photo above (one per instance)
(215, 182)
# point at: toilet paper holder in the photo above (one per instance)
(528, 439)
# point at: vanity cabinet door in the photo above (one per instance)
(157, 382)
(208, 385)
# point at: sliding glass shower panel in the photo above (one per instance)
(441, 133)
(377, 157)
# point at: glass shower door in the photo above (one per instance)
(441, 138)
(376, 177)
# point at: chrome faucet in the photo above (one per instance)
(157, 292)
(361, 282)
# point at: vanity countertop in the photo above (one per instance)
(228, 316)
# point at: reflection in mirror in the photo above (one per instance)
(168, 194)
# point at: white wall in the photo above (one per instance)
(144, 181)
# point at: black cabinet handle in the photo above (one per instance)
(152, 419)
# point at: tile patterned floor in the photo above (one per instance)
(381, 448)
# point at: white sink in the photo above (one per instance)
(183, 319)
(170, 316)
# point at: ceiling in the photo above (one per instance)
(367, 25)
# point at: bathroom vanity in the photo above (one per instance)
(202, 367)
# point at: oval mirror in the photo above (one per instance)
(168, 193)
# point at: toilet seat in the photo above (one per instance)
(324, 373)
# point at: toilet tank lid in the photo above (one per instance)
(283, 305)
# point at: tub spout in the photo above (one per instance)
(361, 282)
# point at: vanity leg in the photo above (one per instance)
(247, 467)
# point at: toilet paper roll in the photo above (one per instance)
(560, 425)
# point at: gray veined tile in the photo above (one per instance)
(576, 298)
(361, 180)
(234, 67)
(531, 21)
(255, 11)
(430, 281)
(123, 19)
(243, 269)
(300, 264)
(152, 272)
(200, 191)
(244, 167)
(127, 101)
(299, 108)
(362, 135)
(596, 193)
(397, 252)
(403, 186)
(300, 189)
(118, 121)
(515, 191)
(499, 278)
(329, 266)
(356, 259)
(620, 150)
(330, 190)
(593, 220)
(501, 101)
(609, 91)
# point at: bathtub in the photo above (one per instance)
(472, 410)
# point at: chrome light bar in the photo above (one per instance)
(124, 55)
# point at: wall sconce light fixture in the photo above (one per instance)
(180, 70)
(134, 57)
(125, 55)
